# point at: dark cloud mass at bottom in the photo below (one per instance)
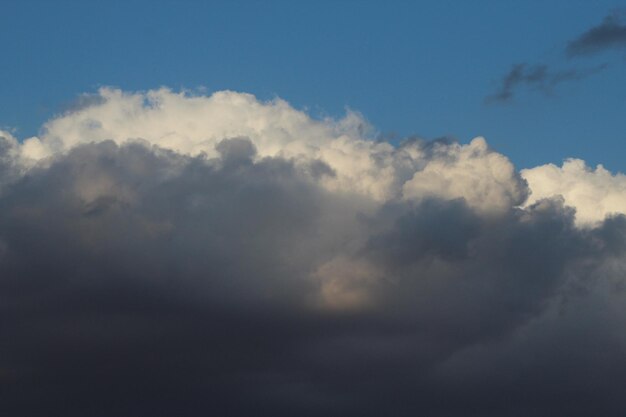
(135, 281)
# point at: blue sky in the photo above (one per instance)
(412, 68)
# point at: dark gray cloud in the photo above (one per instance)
(136, 281)
(610, 34)
(536, 78)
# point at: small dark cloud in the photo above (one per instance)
(537, 78)
(610, 34)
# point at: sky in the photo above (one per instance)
(313, 209)
(411, 68)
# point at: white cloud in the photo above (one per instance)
(196, 124)
(485, 179)
(593, 193)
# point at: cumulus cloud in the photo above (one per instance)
(195, 125)
(595, 194)
(165, 254)
(486, 180)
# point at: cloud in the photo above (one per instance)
(595, 194)
(486, 180)
(537, 77)
(171, 254)
(610, 34)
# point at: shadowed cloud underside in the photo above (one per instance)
(166, 253)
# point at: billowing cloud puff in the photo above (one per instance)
(593, 193)
(164, 254)
(485, 179)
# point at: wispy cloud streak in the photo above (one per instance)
(538, 78)
(610, 34)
